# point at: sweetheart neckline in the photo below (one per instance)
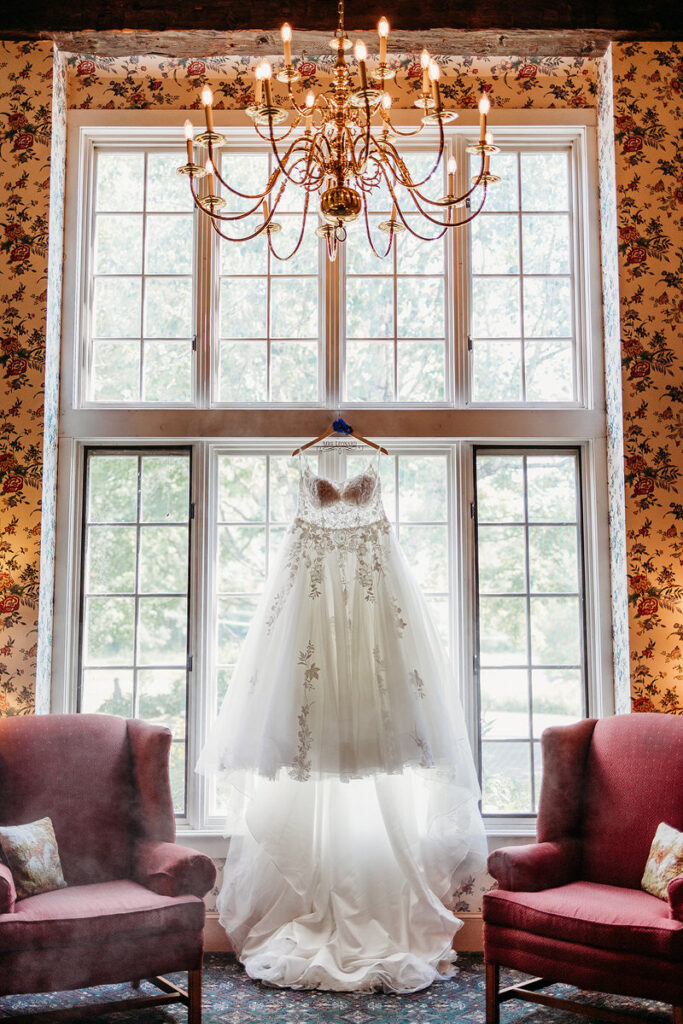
(340, 484)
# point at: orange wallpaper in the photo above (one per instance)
(648, 111)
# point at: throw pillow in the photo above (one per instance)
(664, 862)
(30, 852)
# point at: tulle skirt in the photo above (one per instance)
(352, 794)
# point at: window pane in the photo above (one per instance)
(501, 559)
(504, 195)
(495, 307)
(112, 489)
(294, 307)
(547, 307)
(495, 245)
(107, 691)
(162, 631)
(118, 244)
(243, 310)
(369, 307)
(529, 584)
(496, 371)
(166, 189)
(420, 307)
(369, 371)
(168, 245)
(545, 244)
(504, 695)
(168, 307)
(250, 257)
(243, 371)
(422, 488)
(545, 181)
(421, 369)
(120, 181)
(164, 489)
(414, 256)
(500, 488)
(163, 559)
(294, 371)
(109, 630)
(549, 371)
(167, 371)
(115, 375)
(111, 560)
(117, 307)
(506, 778)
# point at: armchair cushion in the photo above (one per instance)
(86, 915)
(8, 892)
(604, 916)
(675, 896)
(536, 866)
(665, 860)
(173, 870)
(31, 852)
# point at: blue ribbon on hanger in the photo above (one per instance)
(340, 426)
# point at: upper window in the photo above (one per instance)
(175, 315)
(522, 334)
(141, 282)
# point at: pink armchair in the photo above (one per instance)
(133, 905)
(569, 908)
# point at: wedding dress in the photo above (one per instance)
(353, 797)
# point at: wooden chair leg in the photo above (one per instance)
(492, 986)
(678, 1015)
(194, 992)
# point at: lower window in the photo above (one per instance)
(525, 608)
(530, 656)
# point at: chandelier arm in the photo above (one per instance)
(224, 216)
(438, 223)
(392, 152)
(300, 239)
(386, 117)
(282, 160)
(242, 195)
(367, 231)
(269, 137)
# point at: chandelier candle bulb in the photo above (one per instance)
(434, 73)
(484, 107)
(425, 61)
(207, 100)
(188, 140)
(287, 43)
(209, 176)
(266, 72)
(488, 139)
(361, 53)
(452, 168)
(383, 29)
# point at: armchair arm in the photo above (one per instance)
(534, 867)
(172, 870)
(8, 892)
(674, 891)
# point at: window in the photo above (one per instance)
(476, 358)
(133, 639)
(530, 649)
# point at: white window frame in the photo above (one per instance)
(456, 427)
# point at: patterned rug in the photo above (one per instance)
(230, 997)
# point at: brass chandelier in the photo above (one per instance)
(340, 154)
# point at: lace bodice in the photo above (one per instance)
(346, 504)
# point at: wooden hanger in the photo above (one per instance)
(339, 426)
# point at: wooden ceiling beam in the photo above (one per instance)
(207, 27)
(202, 43)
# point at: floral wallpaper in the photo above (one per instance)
(26, 98)
(648, 113)
(147, 82)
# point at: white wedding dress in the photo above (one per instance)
(353, 806)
